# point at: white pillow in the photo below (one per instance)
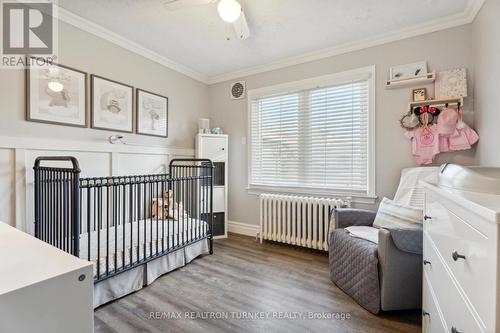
(391, 214)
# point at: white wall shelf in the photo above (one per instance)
(437, 102)
(424, 79)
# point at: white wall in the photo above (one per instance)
(21, 141)
(486, 49)
(443, 50)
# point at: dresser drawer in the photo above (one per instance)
(453, 306)
(431, 317)
(476, 271)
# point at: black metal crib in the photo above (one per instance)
(120, 223)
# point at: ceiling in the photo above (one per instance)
(194, 39)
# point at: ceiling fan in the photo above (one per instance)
(230, 11)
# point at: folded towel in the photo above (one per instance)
(364, 232)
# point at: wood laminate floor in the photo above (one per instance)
(248, 287)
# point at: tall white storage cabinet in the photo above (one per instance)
(215, 148)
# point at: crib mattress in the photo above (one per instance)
(136, 241)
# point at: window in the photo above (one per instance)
(314, 136)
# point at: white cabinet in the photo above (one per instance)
(461, 261)
(215, 148)
(42, 289)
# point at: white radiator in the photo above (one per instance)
(296, 220)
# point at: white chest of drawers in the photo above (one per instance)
(42, 289)
(461, 282)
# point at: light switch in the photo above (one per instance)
(243, 140)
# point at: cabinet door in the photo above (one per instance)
(219, 199)
(213, 148)
(219, 224)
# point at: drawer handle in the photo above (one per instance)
(455, 255)
(427, 262)
(454, 330)
(425, 313)
(427, 218)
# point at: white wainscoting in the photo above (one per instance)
(17, 156)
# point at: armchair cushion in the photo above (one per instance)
(354, 268)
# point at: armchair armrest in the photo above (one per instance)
(400, 273)
(347, 217)
(405, 239)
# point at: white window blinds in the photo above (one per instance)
(313, 138)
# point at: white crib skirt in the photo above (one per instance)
(136, 278)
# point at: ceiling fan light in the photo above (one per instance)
(229, 10)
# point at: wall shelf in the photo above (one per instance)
(424, 79)
(437, 102)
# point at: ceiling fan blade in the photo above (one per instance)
(241, 27)
(182, 4)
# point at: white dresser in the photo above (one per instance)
(42, 289)
(461, 278)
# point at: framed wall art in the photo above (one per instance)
(451, 83)
(152, 113)
(56, 94)
(112, 105)
(419, 95)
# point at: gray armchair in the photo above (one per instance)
(387, 276)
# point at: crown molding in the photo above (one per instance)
(470, 12)
(106, 34)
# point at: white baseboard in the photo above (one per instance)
(243, 228)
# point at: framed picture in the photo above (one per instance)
(419, 94)
(56, 94)
(408, 71)
(112, 105)
(451, 83)
(152, 114)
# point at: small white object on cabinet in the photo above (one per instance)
(215, 148)
(42, 289)
(461, 286)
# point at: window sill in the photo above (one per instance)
(355, 198)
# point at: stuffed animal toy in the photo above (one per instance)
(166, 208)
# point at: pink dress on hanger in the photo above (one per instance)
(425, 144)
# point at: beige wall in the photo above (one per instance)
(188, 101)
(91, 54)
(486, 50)
(443, 50)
